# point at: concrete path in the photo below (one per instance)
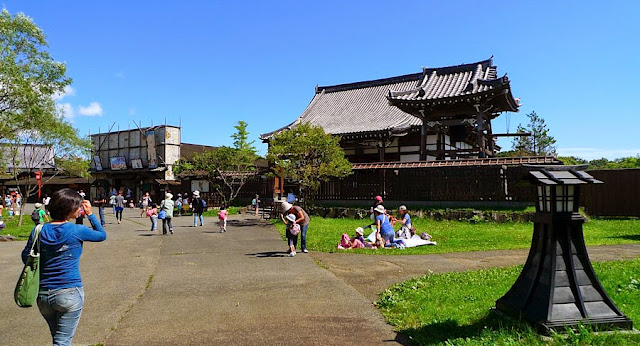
(199, 286)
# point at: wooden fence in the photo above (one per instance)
(618, 196)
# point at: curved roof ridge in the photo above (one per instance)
(371, 83)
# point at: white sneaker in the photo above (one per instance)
(292, 254)
(305, 251)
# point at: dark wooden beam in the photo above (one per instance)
(517, 134)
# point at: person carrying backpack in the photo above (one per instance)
(39, 215)
(197, 206)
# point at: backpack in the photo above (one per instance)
(204, 205)
(35, 216)
(295, 229)
(149, 212)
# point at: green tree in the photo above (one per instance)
(227, 168)
(29, 80)
(540, 143)
(308, 155)
(572, 160)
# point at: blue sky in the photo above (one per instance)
(212, 63)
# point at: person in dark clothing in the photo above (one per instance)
(197, 206)
(100, 202)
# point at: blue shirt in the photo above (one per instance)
(60, 251)
(408, 220)
(385, 226)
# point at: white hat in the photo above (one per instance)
(168, 195)
(38, 205)
(379, 209)
(402, 207)
(286, 206)
(291, 218)
(360, 230)
(196, 193)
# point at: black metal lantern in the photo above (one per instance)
(558, 287)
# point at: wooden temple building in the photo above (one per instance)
(439, 117)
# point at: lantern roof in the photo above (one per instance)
(560, 175)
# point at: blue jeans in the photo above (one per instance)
(388, 237)
(303, 237)
(154, 222)
(197, 216)
(101, 212)
(61, 309)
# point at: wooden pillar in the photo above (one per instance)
(492, 143)
(381, 151)
(439, 143)
(480, 127)
(423, 141)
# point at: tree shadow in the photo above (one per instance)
(147, 235)
(443, 331)
(268, 254)
(244, 223)
(634, 237)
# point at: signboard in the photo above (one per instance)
(97, 163)
(150, 136)
(136, 163)
(200, 185)
(118, 163)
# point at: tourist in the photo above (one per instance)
(197, 207)
(376, 202)
(256, 204)
(222, 218)
(46, 201)
(302, 218)
(357, 242)
(99, 202)
(119, 206)
(152, 213)
(383, 226)
(179, 205)
(167, 205)
(61, 296)
(146, 201)
(40, 214)
(292, 232)
(82, 194)
(112, 202)
(405, 221)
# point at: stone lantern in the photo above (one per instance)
(558, 287)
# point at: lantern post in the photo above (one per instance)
(558, 287)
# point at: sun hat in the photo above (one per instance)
(196, 193)
(38, 205)
(402, 207)
(168, 195)
(380, 209)
(360, 231)
(378, 198)
(286, 206)
(291, 218)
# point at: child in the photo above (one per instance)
(222, 216)
(152, 213)
(292, 233)
(357, 242)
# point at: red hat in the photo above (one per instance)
(378, 198)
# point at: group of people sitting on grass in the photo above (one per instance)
(384, 234)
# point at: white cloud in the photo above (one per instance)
(67, 110)
(132, 111)
(120, 75)
(93, 109)
(594, 153)
(68, 91)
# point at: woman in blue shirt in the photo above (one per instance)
(61, 295)
(383, 226)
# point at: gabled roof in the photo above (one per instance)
(461, 83)
(358, 107)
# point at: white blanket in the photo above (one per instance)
(416, 241)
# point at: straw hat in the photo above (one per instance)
(286, 206)
(380, 209)
(360, 231)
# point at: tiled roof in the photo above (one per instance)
(358, 107)
(188, 150)
(563, 175)
(461, 81)
(496, 161)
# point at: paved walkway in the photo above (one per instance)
(199, 286)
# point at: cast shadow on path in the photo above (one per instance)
(634, 237)
(268, 254)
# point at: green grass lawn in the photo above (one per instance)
(11, 226)
(454, 308)
(457, 236)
